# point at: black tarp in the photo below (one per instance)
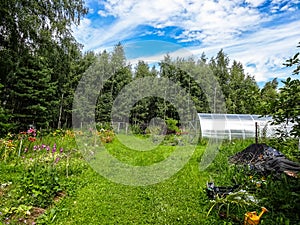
(266, 160)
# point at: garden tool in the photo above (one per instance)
(213, 191)
(251, 218)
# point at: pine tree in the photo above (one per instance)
(31, 96)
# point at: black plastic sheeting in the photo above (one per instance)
(266, 160)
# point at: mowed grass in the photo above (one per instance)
(181, 199)
(87, 197)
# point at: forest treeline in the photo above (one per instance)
(41, 65)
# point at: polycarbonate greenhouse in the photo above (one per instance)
(236, 126)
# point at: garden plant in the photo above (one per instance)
(45, 180)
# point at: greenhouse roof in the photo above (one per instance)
(231, 126)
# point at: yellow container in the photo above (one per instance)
(251, 218)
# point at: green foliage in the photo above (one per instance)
(288, 146)
(287, 106)
(268, 95)
(70, 187)
(281, 196)
(113, 66)
(294, 61)
(244, 92)
(136, 129)
(104, 126)
(38, 54)
(106, 136)
(36, 173)
(29, 104)
(172, 126)
(39, 185)
(240, 90)
(4, 118)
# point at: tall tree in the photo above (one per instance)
(141, 111)
(4, 117)
(243, 91)
(220, 68)
(41, 31)
(31, 97)
(68, 81)
(114, 65)
(268, 95)
(286, 108)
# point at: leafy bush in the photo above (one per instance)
(103, 126)
(281, 197)
(106, 136)
(172, 127)
(38, 186)
(136, 129)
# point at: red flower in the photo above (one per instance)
(32, 139)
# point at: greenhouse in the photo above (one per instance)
(237, 126)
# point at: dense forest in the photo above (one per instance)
(41, 65)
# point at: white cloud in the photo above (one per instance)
(267, 49)
(284, 5)
(216, 24)
(208, 21)
(255, 3)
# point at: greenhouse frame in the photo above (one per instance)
(238, 126)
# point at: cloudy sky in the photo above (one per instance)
(259, 33)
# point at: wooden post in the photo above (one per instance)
(256, 133)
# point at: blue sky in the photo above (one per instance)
(261, 34)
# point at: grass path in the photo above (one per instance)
(174, 201)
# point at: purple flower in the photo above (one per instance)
(26, 149)
(54, 148)
(43, 146)
(61, 150)
(48, 148)
(35, 147)
(57, 159)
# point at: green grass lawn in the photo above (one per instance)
(86, 197)
(177, 200)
